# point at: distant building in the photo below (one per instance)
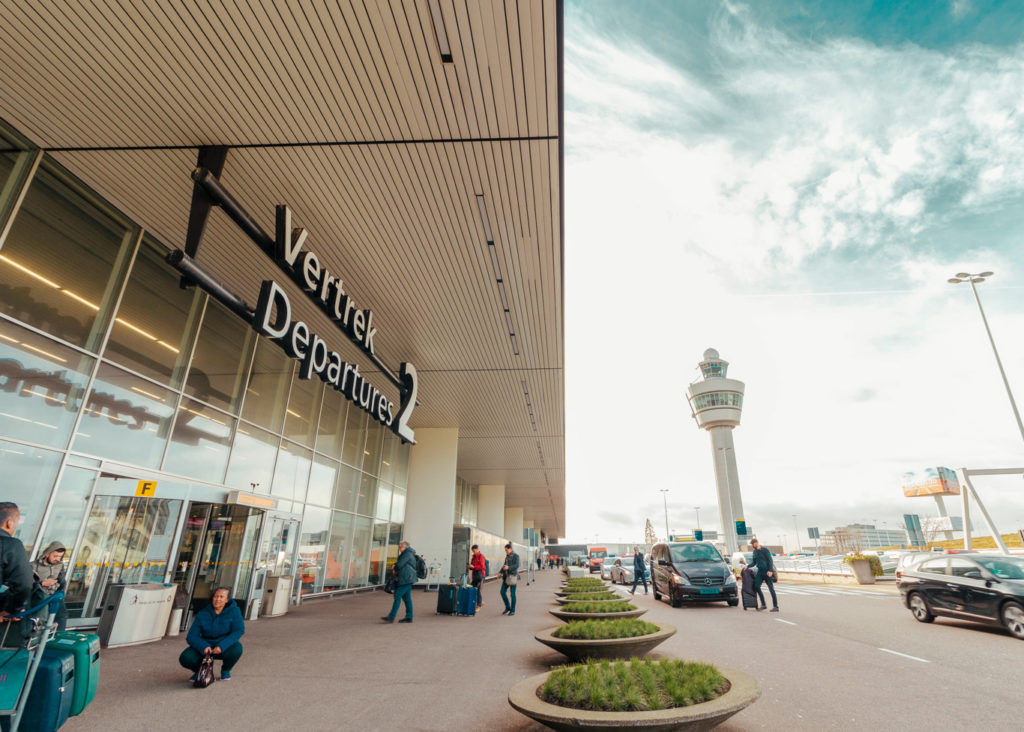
(856, 537)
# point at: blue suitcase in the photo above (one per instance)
(467, 601)
(49, 701)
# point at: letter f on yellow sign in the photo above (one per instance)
(146, 488)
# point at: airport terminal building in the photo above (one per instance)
(280, 285)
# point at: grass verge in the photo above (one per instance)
(640, 685)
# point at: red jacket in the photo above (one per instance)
(477, 562)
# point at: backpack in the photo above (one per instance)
(487, 567)
(421, 567)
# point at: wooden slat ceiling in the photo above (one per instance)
(344, 111)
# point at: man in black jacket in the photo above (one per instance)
(15, 569)
(765, 573)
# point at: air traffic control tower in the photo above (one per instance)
(716, 403)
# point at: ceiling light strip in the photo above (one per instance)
(442, 37)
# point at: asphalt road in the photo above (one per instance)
(853, 659)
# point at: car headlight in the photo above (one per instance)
(730, 579)
(680, 580)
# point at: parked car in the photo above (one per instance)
(622, 571)
(691, 571)
(606, 569)
(986, 588)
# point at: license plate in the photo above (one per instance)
(709, 591)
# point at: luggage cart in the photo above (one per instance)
(41, 634)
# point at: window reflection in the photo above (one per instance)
(69, 507)
(267, 390)
(336, 571)
(57, 264)
(252, 459)
(221, 358)
(355, 436)
(398, 505)
(292, 472)
(148, 339)
(402, 465)
(199, 444)
(383, 509)
(316, 525)
(388, 456)
(303, 409)
(378, 558)
(28, 477)
(359, 564)
(41, 386)
(321, 480)
(367, 495)
(348, 488)
(718, 399)
(371, 452)
(332, 424)
(126, 418)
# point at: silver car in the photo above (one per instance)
(606, 568)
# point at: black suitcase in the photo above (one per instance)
(749, 600)
(448, 599)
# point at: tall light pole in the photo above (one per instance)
(664, 497)
(697, 509)
(797, 530)
(973, 279)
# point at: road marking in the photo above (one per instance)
(897, 653)
(780, 620)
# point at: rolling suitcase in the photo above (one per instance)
(749, 601)
(86, 649)
(49, 701)
(467, 601)
(447, 599)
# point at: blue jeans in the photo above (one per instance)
(639, 577)
(402, 593)
(505, 589)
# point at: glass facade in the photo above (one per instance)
(718, 399)
(103, 356)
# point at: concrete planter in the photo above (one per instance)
(576, 572)
(579, 650)
(562, 592)
(743, 691)
(565, 600)
(862, 571)
(563, 615)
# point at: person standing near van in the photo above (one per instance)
(509, 579)
(765, 573)
(405, 578)
(478, 571)
(51, 574)
(639, 570)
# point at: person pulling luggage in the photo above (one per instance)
(765, 573)
(51, 574)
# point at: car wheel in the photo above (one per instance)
(733, 603)
(654, 589)
(1013, 619)
(919, 609)
(674, 601)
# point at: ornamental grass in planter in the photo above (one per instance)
(608, 606)
(605, 629)
(640, 685)
(590, 596)
(577, 585)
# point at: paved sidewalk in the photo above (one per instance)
(332, 665)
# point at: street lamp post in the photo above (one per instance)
(797, 530)
(664, 497)
(697, 509)
(973, 279)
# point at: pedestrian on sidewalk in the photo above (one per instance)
(639, 570)
(405, 578)
(478, 571)
(51, 576)
(765, 573)
(216, 630)
(509, 579)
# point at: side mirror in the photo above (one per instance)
(990, 582)
(662, 562)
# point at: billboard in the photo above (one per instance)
(931, 482)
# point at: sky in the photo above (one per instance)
(791, 184)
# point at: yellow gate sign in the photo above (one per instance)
(146, 488)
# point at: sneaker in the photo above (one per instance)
(386, 619)
(193, 677)
(761, 609)
(632, 592)
(405, 620)
(774, 609)
(225, 676)
(506, 611)
(512, 613)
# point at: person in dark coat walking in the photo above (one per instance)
(15, 573)
(765, 573)
(405, 578)
(216, 629)
(639, 570)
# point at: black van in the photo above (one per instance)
(692, 571)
